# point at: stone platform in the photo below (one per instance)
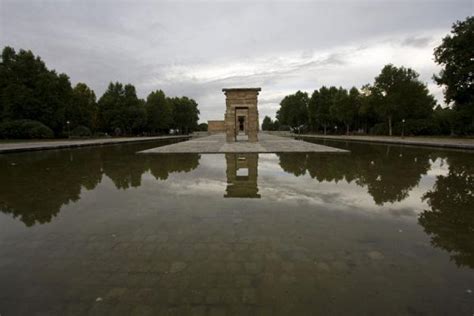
(214, 144)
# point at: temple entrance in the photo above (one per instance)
(241, 123)
(241, 128)
(241, 117)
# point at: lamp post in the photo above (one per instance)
(335, 127)
(403, 128)
(68, 130)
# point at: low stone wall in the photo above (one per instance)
(214, 127)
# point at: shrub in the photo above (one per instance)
(379, 129)
(81, 131)
(418, 127)
(25, 129)
(412, 127)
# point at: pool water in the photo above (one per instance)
(383, 230)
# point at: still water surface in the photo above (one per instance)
(384, 230)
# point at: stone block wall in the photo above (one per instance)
(214, 127)
(237, 100)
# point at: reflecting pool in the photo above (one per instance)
(382, 230)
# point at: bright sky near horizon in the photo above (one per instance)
(196, 48)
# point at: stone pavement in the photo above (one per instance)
(9, 147)
(266, 144)
(446, 142)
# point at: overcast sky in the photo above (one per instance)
(196, 48)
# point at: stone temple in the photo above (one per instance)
(239, 134)
(241, 116)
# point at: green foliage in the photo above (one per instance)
(401, 95)
(397, 94)
(28, 90)
(294, 110)
(81, 131)
(277, 126)
(282, 127)
(456, 56)
(379, 129)
(319, 106)
(202, 127)
(25, 129)
(82, 110)
(267, 124)
(446, 119)
(367, 115)
(159, 112)
(120, 110)
(185, 114)
(345, 106)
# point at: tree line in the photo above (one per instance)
(36, 102)
(397, 102)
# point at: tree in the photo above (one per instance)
(120, 110)
(276, 125)
(313, 104)
(185, 114)
(447, 119)
(82, 109)
(345, 106)
(321, 105)
(267, 124)
(202, 127)
(35, 100)
(158, 110)
(294, 110)
(401, 95)
(456, 56)
(28, 90)
(366, 113)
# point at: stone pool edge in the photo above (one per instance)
(9, 148)
(409, 142)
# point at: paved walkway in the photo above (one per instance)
(9, 147)
(446, 142)
(266, 144)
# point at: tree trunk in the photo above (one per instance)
(324, 126)
(390, 126)
(347, 129)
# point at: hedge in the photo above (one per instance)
(24, 129)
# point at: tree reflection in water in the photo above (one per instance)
(34, 186)
(391, 172)
(388, 172)
(450, 219)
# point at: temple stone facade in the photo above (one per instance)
(241, 116)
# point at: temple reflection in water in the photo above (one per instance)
(242, 173)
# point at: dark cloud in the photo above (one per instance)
(417, 41)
